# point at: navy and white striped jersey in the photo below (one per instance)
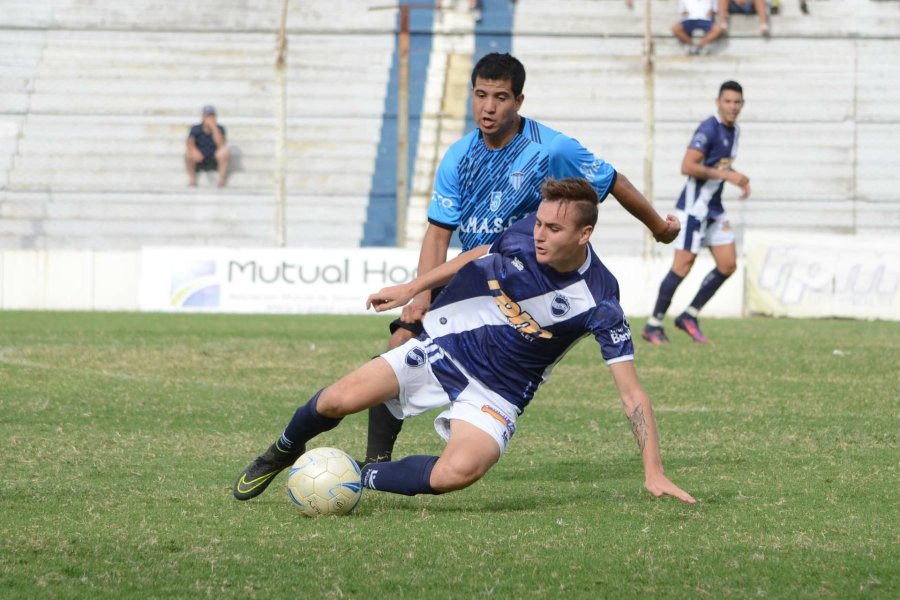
(719, 144)
(508, 319)
(483, 191)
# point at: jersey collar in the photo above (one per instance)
(587, 261)
(719, 121)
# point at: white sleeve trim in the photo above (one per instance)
(613, 361)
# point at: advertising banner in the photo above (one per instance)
(791, 275)
(269, 280)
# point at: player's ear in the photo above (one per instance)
(585, 236)
(519, 99)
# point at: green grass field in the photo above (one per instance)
(122, 435)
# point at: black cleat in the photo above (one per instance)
(259, 474)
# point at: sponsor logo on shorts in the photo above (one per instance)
(559, 306)
(507, 422)
(415, 357)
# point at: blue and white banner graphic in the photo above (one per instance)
(269, 280)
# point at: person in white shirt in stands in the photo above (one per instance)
(697, 14)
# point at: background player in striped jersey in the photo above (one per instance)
(487, 181)
(510, 312)
(708, 165)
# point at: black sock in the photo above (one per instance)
(383, 430)
(711, 283)
(409, 476)
(306, 424)
(667, 289)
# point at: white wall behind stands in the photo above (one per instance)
(778, 275)
(266, 280)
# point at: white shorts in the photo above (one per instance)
(431, 379)
(696, 233)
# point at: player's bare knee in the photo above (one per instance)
(726, 267)
(683, 265)
(333, 403)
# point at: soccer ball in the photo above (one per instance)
(324, 481)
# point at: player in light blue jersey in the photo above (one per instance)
(481, 191)
(487, 181)
(708, 165)
(507, 316)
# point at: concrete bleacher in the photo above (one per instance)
(817, 127)
(96, 97)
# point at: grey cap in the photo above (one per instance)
(209, 109)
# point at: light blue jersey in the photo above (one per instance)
(483, 191)
(507, 320)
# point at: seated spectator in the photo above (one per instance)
(206, 148)
(745, 7)
(697, 14)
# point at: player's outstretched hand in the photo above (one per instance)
(673, 227)
(389, 297)
(661, 486)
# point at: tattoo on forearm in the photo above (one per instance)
(639, 427)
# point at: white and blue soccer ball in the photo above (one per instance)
(324, 481)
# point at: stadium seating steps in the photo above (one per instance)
(96, 98)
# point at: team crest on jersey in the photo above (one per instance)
(699, 140)
(415, 357)
(559, 306)
(496, 198)
(516, 180)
